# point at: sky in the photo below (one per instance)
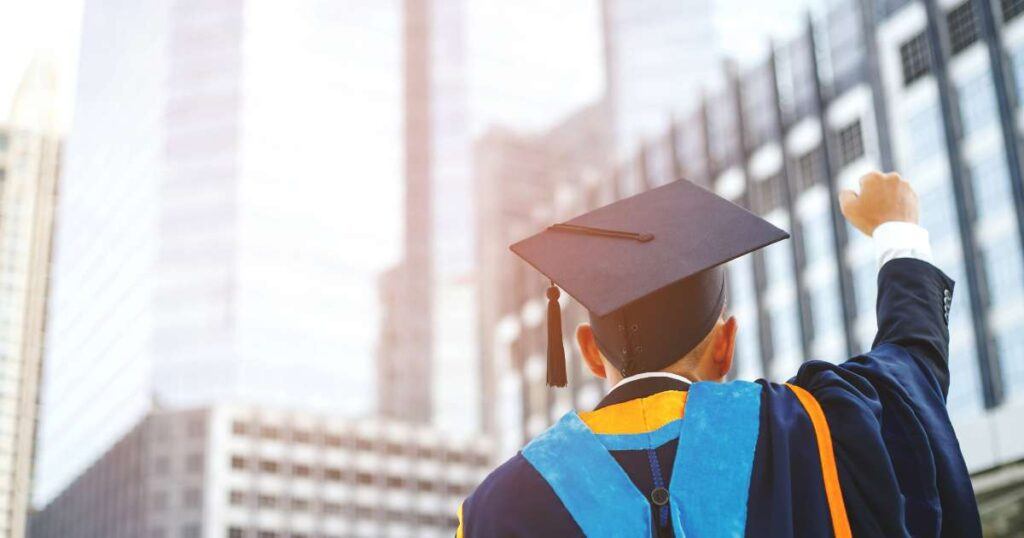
(29, 28)
(532, 61)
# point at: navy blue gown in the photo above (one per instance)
(863, 448)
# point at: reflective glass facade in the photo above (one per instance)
(203, 184)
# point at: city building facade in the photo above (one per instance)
(29, 164)
(253, 472)
(512, 172)
(405, 344)
(427, 358)
(929, 88)
(207, 181)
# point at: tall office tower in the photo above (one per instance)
(429, 368)
(513, 172)
(29, 154)
(658, 56)
(213, 170)
(932, 89)
(405, 347)
(236, 471)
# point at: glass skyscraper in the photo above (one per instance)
(427, 367)
(214, 166)
(29, 164)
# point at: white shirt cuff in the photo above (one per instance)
(897, 239)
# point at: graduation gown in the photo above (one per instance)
(863, 448)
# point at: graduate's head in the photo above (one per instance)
(709, 360)
(650, 270)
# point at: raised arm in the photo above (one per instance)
(913, 295)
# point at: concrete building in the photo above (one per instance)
(405, 345)
(29, 165)
(512, 172)
(208, 179)
(253, 472)
(428, 368)
(930, 88)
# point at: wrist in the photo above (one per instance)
(901, 239)
(903, 227)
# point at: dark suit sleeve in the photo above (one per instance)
(898, 459)
(913, 313)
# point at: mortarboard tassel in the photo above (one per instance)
(556, 352)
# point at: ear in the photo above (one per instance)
(725, 346)
(588, 349)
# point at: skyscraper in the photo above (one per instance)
(29, 156)
(209, 178)
(428, 368)
(512, 171)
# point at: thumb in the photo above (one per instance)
(846, 199)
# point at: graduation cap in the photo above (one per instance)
(648, 269)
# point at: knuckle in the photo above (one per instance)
(871, 177)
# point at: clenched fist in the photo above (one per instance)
(882, 198)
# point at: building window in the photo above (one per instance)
(332, 474)
(925, 133)
(235, 532)
(851, 143)
(193, 498)
(1010, 344)
(267, 534)
(270, 433)
(914, 58)
(302, 436)
(196, 427)
(766, 194)
(266, 501)
(300, 505)
(1012, 8)
(808, 169)
(237, 462)
(302, 470)
(194, 463)
(962, 29)
(239, 428)
(159, 501)
(363, 478)
(978, 103)
(268, 466)
(237, 498)
(162, 466)
(331, 508)
(332, 440)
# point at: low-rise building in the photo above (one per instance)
(250, 472)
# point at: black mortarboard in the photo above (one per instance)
(649, 270)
